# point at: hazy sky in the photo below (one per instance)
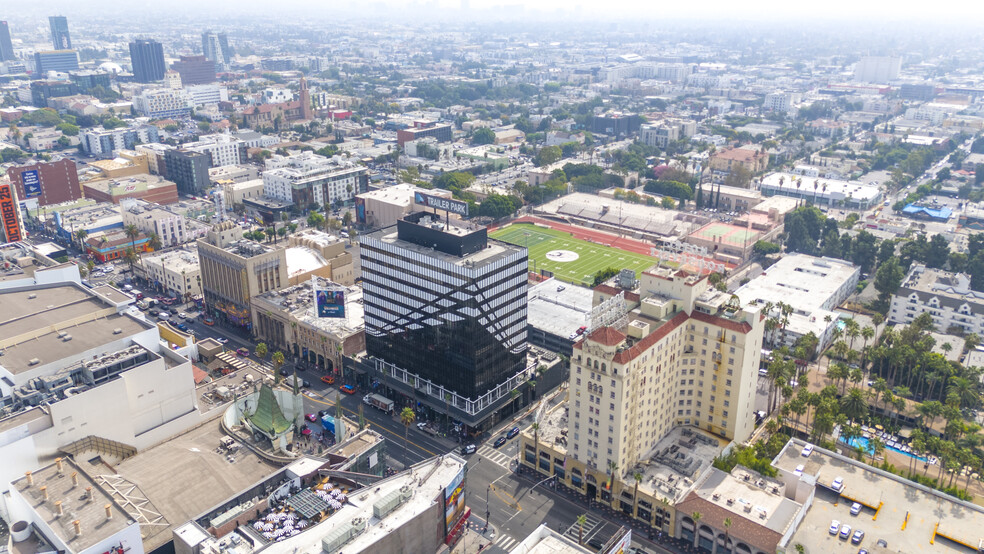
(873, 11)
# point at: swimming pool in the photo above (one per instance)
(862, 443)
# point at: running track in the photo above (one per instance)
(595, 236)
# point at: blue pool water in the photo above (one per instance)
(861, 443)
(841, 324)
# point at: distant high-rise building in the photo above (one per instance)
(59, 32)
(172, 79)
(6, 47)
(56, 60)
(195, 70)
(877, 69)
(215, 46)
(147, 57)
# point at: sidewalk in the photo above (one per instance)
(476, 538)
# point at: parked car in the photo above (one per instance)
(347, 389)
(807, 450)
(855, 509)
(845, 532)
(834, 527)
(857, 537)
(838, 484)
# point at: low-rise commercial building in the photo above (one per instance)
(287, 320)
(149, 188)
(945, 296)
(826, 192)
(176, 272)
(812, 286)
(93, 217)
(237, 192)
(384, 207)
(315, 253)
(222, 150)
(107, 246)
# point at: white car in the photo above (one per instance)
(221, 340)
(845, 532)
(799, 470)
(834, 527)
(838, 484)
(807, 450)
(183, 315)
(855, 509)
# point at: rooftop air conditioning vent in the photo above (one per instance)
(117, 331)
(66, 338)
(31, 296)
(34, 361)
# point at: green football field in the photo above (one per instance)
(591, 258)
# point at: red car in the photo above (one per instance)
(347, 389)
(311, 417)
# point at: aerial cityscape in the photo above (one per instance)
(449, 277)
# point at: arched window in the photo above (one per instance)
(603, 368)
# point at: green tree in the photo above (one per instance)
(581, 520)
(888, 279)
(548, 155)
(261, 350)
(278, 362)
(483, 135)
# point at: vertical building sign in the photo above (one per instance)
(8, 213)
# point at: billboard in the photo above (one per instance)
(8, 213)
(32, 183)
(438, 203)
(622, 543)
(329, 303)
(360, 210)
(454, 500)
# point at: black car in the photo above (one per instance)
(499, 442)
(468, 449)
(284, 372)
(512, 433)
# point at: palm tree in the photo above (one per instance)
(696, 517)
(261, 350)
(278, 362)
(581, 520)
(131, 257)
(536, 444)
(407, 417)
(855, 405)
(635, 494)
(727, 533)
(132, 233)
(877, 447)
(80, 235)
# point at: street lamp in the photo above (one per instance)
(487, 489)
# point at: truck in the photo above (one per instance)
(328, 422)
(381, 402)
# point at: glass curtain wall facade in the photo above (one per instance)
(461, 325)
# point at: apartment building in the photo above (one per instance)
(945, 296)
(307, 178)
(724, 161)
(177, 272)
(101, 141)
(163, 103)
(172, 228)
(222, 149)
(663, 133)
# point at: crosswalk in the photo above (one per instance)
(500, 458)
(504, 542)
(574, 531)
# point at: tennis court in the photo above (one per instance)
(549, 248)
(731, 235)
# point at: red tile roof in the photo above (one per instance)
(742, 327)
(612, 291)
(607, 336)
(647, 342)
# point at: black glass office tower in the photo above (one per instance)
(445, 304)
(59, 32)
(6, 47)
(147, 58)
